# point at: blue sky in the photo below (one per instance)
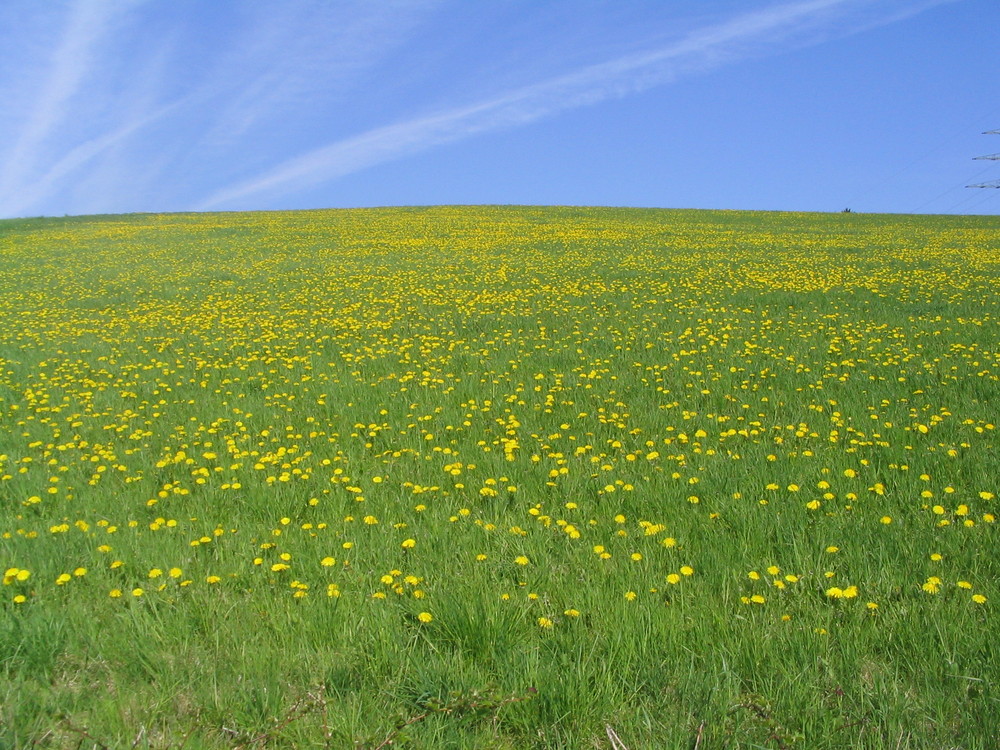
(115, 106)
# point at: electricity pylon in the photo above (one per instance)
(992, 157)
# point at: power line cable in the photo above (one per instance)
(923, 155)
(960, 186)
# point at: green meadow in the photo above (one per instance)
(500, 477)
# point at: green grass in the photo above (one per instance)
(600, 428)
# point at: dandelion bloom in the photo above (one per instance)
(521, 560)
(544, 622)
(425, 617)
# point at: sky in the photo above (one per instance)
(118, 106)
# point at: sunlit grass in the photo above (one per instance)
(725, 478)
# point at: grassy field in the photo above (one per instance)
(500, 478)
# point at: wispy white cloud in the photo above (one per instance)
(121, 105)
(78, 157)
(787, 24)
(288, 57)
(150, 113)
(70, 64)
